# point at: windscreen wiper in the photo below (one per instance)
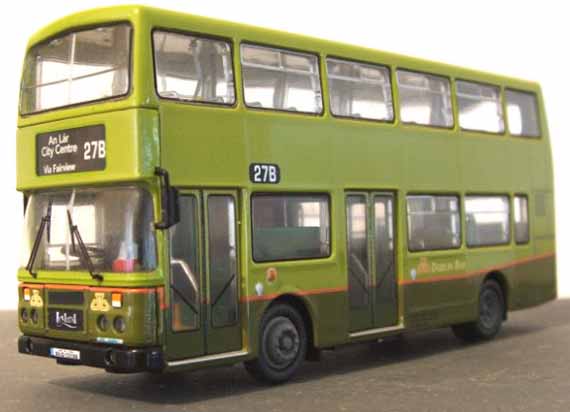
(83, 252)
(46, 221)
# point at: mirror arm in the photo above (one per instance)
(169, 201)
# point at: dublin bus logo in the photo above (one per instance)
(68, 321)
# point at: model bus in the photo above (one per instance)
(202, 193)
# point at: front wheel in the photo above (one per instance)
(491, 313)
(282, 345)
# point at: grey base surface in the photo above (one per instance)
(527, 368)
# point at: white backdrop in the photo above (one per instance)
(517, 38)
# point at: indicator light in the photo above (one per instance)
(116, 300)
(27, 294)
(271, 275)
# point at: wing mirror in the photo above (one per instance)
(170, 209)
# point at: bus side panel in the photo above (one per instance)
(425, 314)
(536, 280)
(535, 283)
(201, 146)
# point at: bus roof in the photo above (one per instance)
(150, 17)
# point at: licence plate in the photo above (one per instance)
(65, 353)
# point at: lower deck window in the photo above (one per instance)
(522, 233)
(287, 227)
(487, 219)
(433, 222)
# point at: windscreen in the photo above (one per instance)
(114, 223)
(76, 67)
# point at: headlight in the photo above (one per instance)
(34, 315)
(119, 324)
(103, 322)
(24, 315)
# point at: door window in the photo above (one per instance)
(358, 271)
(384, 237)
(222, 259)
(185, 276)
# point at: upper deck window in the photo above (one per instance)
(424, 99)
(281, 79)
(360, 90)
(479, 107)
(522, 110)
(193, 68)
(77, 67)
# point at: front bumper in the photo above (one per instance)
(112, 359)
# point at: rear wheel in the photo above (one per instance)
(282, 345)
(491, 313)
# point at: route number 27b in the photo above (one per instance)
(264, 173)
(94, 149)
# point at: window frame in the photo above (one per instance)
(514, 197)
(362, 62)
(326, 195)
(538, 116)
(451, 99)
(502, 101)
(459, 198)
(77, 29)
(228, 40)
(290, 50)
(509, 220)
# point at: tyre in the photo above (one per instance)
(491, 313)
(282, 345)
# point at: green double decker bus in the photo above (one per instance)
(199, 193)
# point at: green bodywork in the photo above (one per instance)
(206, 147)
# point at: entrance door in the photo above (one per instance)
(204, 274)
(371, 260)
(359, 262)
(385, 290)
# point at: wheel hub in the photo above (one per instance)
(489, 309)
(282, 342)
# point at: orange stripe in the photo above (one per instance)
(474, 273)
(88, 288)
(161, 299)
(408, 282)
(31, 285)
